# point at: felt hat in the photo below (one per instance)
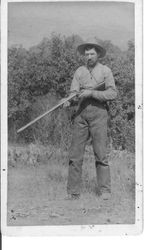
(91, 42)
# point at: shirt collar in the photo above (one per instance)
(91, 69)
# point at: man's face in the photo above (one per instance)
(91, 57)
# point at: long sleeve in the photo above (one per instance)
(75, 86)
(110, 91)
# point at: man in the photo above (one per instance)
(91, 119)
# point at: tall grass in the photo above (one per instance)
(55, 161)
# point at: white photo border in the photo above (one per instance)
(131, 229)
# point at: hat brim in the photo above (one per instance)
(81, 48)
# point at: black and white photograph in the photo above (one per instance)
(71, 115)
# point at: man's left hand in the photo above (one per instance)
(85, 93)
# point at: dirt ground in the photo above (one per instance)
(36, 194)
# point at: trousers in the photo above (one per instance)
(91, 120)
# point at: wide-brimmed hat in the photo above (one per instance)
(91, 42)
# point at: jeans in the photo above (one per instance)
(91, 120)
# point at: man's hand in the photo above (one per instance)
(85, 93)
(66, 104)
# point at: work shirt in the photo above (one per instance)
(86, 79)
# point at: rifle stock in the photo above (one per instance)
(98, 87)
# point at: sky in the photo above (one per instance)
(29, 23)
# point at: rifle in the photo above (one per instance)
(98, 87)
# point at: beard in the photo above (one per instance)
(91, 63)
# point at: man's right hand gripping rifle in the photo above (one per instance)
(81, 95)
(68, 103)
(85, 93)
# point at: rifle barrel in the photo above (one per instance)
(46, 113)
(54, 108)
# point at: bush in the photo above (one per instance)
(40, 76)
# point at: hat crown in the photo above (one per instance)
(93, 42)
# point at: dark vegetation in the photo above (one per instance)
(40, 76)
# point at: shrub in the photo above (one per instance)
(40, 76)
